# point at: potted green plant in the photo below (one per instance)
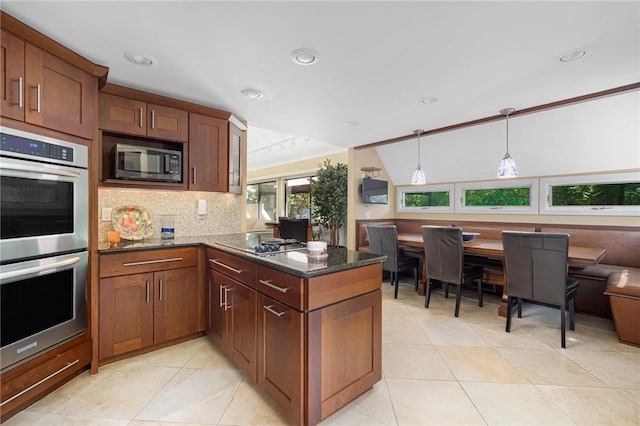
(329, 194)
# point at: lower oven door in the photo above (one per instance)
(43, 302)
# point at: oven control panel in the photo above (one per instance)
(20, 145)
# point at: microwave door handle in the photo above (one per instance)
(44, 170)
(53, 267)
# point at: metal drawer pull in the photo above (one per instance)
(217, 262)
(273, 286)
(149, 262)
(55, 373)
(273, 311)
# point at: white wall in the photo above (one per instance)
(595, 136)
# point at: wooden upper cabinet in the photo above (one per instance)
(208, 153)
(42, 89)
(235, 160)
(12, 76)
(124, 115)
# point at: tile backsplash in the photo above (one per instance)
(223, 216)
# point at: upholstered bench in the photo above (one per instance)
(623, 289)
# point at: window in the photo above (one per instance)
(427, 198)
(298, 201)
(508, 196)
(609, 194)
(261, 201)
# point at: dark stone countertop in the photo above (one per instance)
(293, 262)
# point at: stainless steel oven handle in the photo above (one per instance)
(36, 169)
(149, 262)
(55, 373)
(35, 269)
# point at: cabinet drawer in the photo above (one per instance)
(237, 268)
(135, 262)
(284, 288)
(41, 374)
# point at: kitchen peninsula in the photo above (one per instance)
(306, 330)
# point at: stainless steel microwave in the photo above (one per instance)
(145, 163)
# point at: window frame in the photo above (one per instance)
(258, 183)
(532, 208)
(400, 191)
(547, 183)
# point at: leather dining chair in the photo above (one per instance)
(384, 240)
(536, 269)
(294, 229)
(444, 255)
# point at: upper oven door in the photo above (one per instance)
(43, 208)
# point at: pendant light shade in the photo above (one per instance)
(418, 177)
(507, 166)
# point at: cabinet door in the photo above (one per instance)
(167, 123)
(280, 352)
(208, 153)
(175, 304)
(241, 327)
(12, 77)
(235, 160)
(126, 314)
(58, 95)
(122, 115)
(216, 324)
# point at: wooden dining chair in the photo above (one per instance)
(444, 255)
(384, 240)
(536, 269)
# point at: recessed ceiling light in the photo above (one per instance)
(572, 56)
(304, 56)
(139, 59)
(429, 100)
(252, 93)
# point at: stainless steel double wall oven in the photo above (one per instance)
(44, 189)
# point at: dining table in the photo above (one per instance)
(492, 249)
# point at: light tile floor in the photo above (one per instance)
(437, 370)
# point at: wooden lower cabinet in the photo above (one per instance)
(280, 355)
(232, 320)
(311, 344)
(141, 309)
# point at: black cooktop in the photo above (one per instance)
(262, 245)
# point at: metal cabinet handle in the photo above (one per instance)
(217, 262)
(161, 289)
(140, 118)
(273, 286)
(273, 311)
(148, 292)
(194, 175)
(220, 302)
(20, 93)
(149, 262)
(38, 92)
(226, 298)
(55, 373)
(153, 118)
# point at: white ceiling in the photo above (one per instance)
(378, 59)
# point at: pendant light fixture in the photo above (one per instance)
(507, 166)
(418, 177)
